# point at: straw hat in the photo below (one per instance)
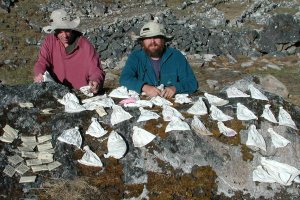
(152, 29)
(59, 19)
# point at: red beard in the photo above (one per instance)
(154, 50)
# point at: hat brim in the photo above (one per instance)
(167, 37)
(63, 25)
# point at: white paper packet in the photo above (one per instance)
(277, 140)
(225, 130)
(95, 129)
(169, 112)
(47, 77)
(90, 158)
(71, 103)
(233, 92)
(86, 90)
(285, 119)
(256, 94)
(244, 113)
(71, 136)
(141, 137)
(271, 171)
(116, 146)
(214, 100)
(119, 115)
(199, 127)
(147, 115)
(160, 101)
(268, 115)
(140, 103)
(218, 114)
(120, 92)
(199, 108)
(182, 98)
(176, 124)
(255, 138)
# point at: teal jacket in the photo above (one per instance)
(174, 71)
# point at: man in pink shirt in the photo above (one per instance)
(68, 56)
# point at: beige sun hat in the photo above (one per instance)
(59, 19)
(152, 29)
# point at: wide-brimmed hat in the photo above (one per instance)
(60, 19)
(152, 29)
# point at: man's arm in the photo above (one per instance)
(130, 73)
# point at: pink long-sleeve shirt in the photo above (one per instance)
(76, 68)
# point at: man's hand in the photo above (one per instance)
(168, 92)
(39, 78)
(151, 91)
(94, 87)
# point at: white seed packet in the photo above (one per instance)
(86, 90)
(271, 171)
(47, 77)
(120, 92)
(29, 154)
(199, 108)
(285, 118)
(214, 100)
(68, 97)
(27, 179)
(233, 92)
(11, 131)
(95, 129)
(6, 137)
(73, 107)
(218, 114)
(71, 103)
(25, 148)
(15, 159)
(38, 168)
(22, 168)
(256, 94)
(9, 170)
(45, 146)
(140, 103)
(244, 113)
(101, 111)
(98, 101)
(169, 112)
(9, 134)
(226, 130)
(26, 105)
(268, 115)
(255, 138)
(119, 115)
(160, 101)
(199, 127)
(116, 146)
(44, 138)
(46, 161)
(31, 145)
(89, 158)
(45, 156)
(32, 162)
(53, 165)
(141, 137)
(71, 136)
(182, 98)
(147, 115)
(177, 124)
(277, 140)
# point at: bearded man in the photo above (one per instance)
(157, 64)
